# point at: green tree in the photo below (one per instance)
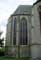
(1, 40)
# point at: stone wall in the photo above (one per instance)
(36, 38)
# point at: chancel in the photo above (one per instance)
(23, 37)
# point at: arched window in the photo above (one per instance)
(40, 20)
(14, 35)
(23, 32)
(39, 10)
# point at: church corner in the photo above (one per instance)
(23, 37)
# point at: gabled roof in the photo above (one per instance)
(23, 9)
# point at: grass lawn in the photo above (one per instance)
(12, 58)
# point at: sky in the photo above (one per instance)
(7, 7)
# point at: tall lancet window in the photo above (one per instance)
(39, 10)
(40, 20)
(23, 32)
(14, 34)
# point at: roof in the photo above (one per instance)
(37, 2)
(23, 9)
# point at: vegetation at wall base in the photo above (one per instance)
(13, 58)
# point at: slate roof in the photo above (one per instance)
(23, 9)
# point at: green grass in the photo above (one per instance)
(13, 58)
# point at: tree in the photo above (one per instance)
(1, 40)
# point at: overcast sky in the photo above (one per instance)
(7, 7)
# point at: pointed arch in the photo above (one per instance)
(23, 32)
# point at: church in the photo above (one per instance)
(23, 37)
